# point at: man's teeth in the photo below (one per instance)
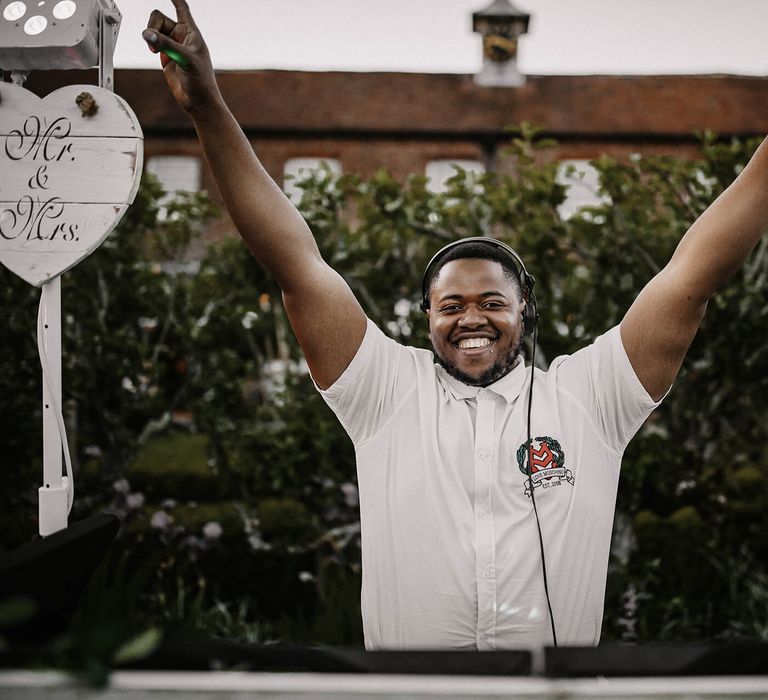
(474, 343)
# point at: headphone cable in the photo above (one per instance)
(530, 485)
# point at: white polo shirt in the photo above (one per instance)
(449, 542)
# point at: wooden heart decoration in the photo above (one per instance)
(66, 179)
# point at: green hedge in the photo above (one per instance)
(267, 460)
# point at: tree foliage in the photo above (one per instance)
(153, 351)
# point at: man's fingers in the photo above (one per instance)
(182, 11)
(162, 33)
(161, 42)
(160, 23)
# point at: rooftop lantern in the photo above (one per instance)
(500, 25)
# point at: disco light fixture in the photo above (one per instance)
(57, 34)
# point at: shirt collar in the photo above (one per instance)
(508, 387)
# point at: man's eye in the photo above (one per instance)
(494, 305)
(451, 308)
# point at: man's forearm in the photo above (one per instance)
(719, 242)
(270, 225)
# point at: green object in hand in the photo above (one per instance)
(177, 57)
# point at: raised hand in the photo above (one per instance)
(184, 56)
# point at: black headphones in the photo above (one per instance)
(526, 280)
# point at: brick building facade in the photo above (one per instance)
(406, 122)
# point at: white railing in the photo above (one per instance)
(166, 685)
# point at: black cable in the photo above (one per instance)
(531, 487)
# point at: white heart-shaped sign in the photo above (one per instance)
(65, 179)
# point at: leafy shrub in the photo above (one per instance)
(150, 350)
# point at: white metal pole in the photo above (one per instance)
(53, 507)
(107, 21)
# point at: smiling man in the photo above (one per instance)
(486, 516)
(451, 466)
(474, 325)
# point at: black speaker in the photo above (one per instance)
(53, 572)
(725, 659)
(206, 654)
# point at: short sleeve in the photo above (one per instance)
(374, 383)
(602, 379)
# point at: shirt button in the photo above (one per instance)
(482, 454)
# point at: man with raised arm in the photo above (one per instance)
(486, 508)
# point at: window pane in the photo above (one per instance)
(176, 173)
(299, 168)
(438, 171)
(583, 183)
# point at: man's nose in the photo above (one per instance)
(472, 317)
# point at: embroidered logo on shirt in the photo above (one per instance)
(547, 463)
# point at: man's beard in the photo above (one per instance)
(496, 371)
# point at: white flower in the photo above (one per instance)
(257, 544)
(202, 322)
(249, 319)
(168, 504)
(212, 531)
(134, 500)
(160, 520)
(350, 494)
(121, 486)
(402, 308)
(305, 576)
(147, 324)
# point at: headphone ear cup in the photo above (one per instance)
(529, 318)
(529, 312)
